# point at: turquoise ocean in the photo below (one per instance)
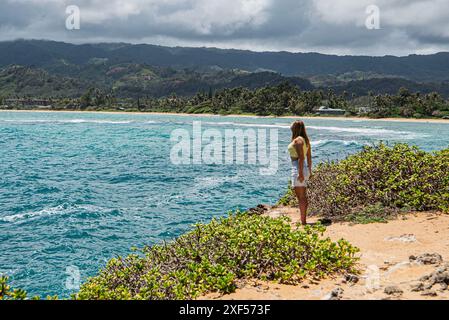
(77, 189)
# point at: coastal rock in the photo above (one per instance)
(325, 221)
(335, 294)
(259, 210)
(427, 258)
(418, 287)
(351, 278)
(429, 293)
(393, 290)
(424, 278)
(443, 286)
(439, 276)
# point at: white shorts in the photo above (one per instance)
(295, 171)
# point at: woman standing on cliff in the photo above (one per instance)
(301, 155)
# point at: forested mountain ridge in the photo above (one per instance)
(130, 80)
(206, 80)
(44, 54)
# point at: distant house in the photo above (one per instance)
(328, 111)
(365, 110)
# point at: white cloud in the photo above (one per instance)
(207, 17)
(330, 26)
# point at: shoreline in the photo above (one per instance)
(411, 120)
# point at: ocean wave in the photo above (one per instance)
(250, 125)
(322, 143)
(58, 210)
(366, 131)
(361, 131)
(71, 121)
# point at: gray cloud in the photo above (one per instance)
(329, 26)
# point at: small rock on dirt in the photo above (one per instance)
(351, 278)
(259, 210)
(427, 258)
(334, 294)
(444, 286)
(393, 290)
(418, 287)
(429, 293)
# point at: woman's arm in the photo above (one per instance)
(299, 145)
(309, 159)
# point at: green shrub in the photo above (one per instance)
(7, 293)
(213, 257)
(387, 178)
(375, 213)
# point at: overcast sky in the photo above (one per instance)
(327, 26)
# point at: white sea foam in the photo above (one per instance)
(251, 125)
(94, 121)
(58, 210)
(320, 143)
(379, 132)
(74, 121)
(362, 131)
(30, 215)
(388, 133)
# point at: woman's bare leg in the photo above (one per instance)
(301, 194)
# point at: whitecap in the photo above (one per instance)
(365, 131)
(251, 125)
(361, 131)
(371, 132)
(30, 215)
(321, 143)
(58, 210)
(93, 121)
(71, 121)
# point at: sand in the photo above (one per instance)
(384, 261)
(444, 121)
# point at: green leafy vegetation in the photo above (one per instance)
(406, 104)
(375, 213)
(152, 78)
(8, 293)
(19, 81)
(378, 183)
(215, 256)
(129, 80)
(284, 98)
(373, 185)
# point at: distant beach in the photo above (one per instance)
(444, 121)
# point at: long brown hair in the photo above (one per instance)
(299, 130)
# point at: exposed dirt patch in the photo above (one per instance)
(402, 259)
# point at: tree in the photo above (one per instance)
(86, 99)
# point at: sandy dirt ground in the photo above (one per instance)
(385, 265)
